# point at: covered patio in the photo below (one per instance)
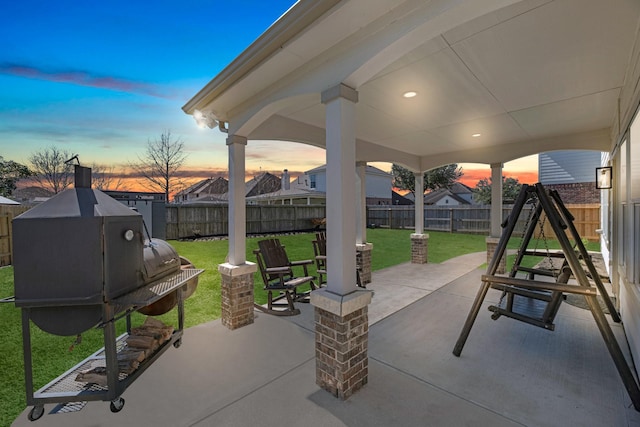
(511, 374)
(422, 84)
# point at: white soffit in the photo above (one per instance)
(500, 128)
(447, 92)
(574, 115)
(548, 55)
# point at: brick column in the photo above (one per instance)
(342, 341)
(237, 294)
(419, 244)
(363, 261)
(492, 244)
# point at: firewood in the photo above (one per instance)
(128, 366)
(153, 323)
(148, 332)
(136, 355)
(97, 375)
(142, 342)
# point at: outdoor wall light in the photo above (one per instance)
(475, 135)
(409, 94)
(603, 177)
(205, 119)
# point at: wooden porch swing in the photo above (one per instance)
(537, 301)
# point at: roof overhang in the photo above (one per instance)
(527, 76)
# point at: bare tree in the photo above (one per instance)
(160, 162)
(50, 170)
(104, 178)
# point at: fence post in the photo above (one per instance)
(451, 226)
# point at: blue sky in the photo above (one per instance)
(102, 78)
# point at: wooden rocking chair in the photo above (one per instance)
(278, 277)
(320, 252)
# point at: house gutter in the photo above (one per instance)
(292, 23)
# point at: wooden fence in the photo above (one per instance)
(476, 219)
(7, 213)
(212, 220)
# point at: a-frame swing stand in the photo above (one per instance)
(544, 293)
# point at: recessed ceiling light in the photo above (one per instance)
(409, 94)
(475, 135)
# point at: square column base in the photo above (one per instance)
(236, 288)
(342, 341)
(492, 245)
(419, 246)
(363, 262)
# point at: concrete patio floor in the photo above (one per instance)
(509, 374)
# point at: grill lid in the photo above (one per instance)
(160, 259)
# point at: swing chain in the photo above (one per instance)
(534, 206)
(546, 246)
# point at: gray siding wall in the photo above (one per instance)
(564, 167)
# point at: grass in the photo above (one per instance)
(52, 355)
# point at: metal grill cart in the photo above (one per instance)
(82, 261)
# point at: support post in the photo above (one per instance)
(419, 240)
(237, 202)
(419, 205)
(237, 274)
(341, 311)
(363, 262)
(361, 203)
(496, 216)
(419, 248)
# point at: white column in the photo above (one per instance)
(496, 199)
(361, 203)
(237, 208)
(341, 188)
(419, 202)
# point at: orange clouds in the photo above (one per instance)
(472, 176)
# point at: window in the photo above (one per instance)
(312, 180)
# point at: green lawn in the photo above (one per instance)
(52, 354)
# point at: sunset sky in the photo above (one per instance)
(100, 79)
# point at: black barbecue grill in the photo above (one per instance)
(82, 260)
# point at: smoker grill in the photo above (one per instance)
(81, 261)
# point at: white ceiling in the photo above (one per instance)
(534, 71)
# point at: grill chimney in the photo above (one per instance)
(82, 177)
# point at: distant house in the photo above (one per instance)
(290, 192)
(457, 194)
(207, 190)
(378, 183)
(262, 184)
(5, 201)
(462, 191)
(270, 189)
(444, 197)
(572, 173)
(31, 196)
(400, 200)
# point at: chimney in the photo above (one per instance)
(286, 180)
(82, 177)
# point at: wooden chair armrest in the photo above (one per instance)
(276, 270)
(303, 264)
